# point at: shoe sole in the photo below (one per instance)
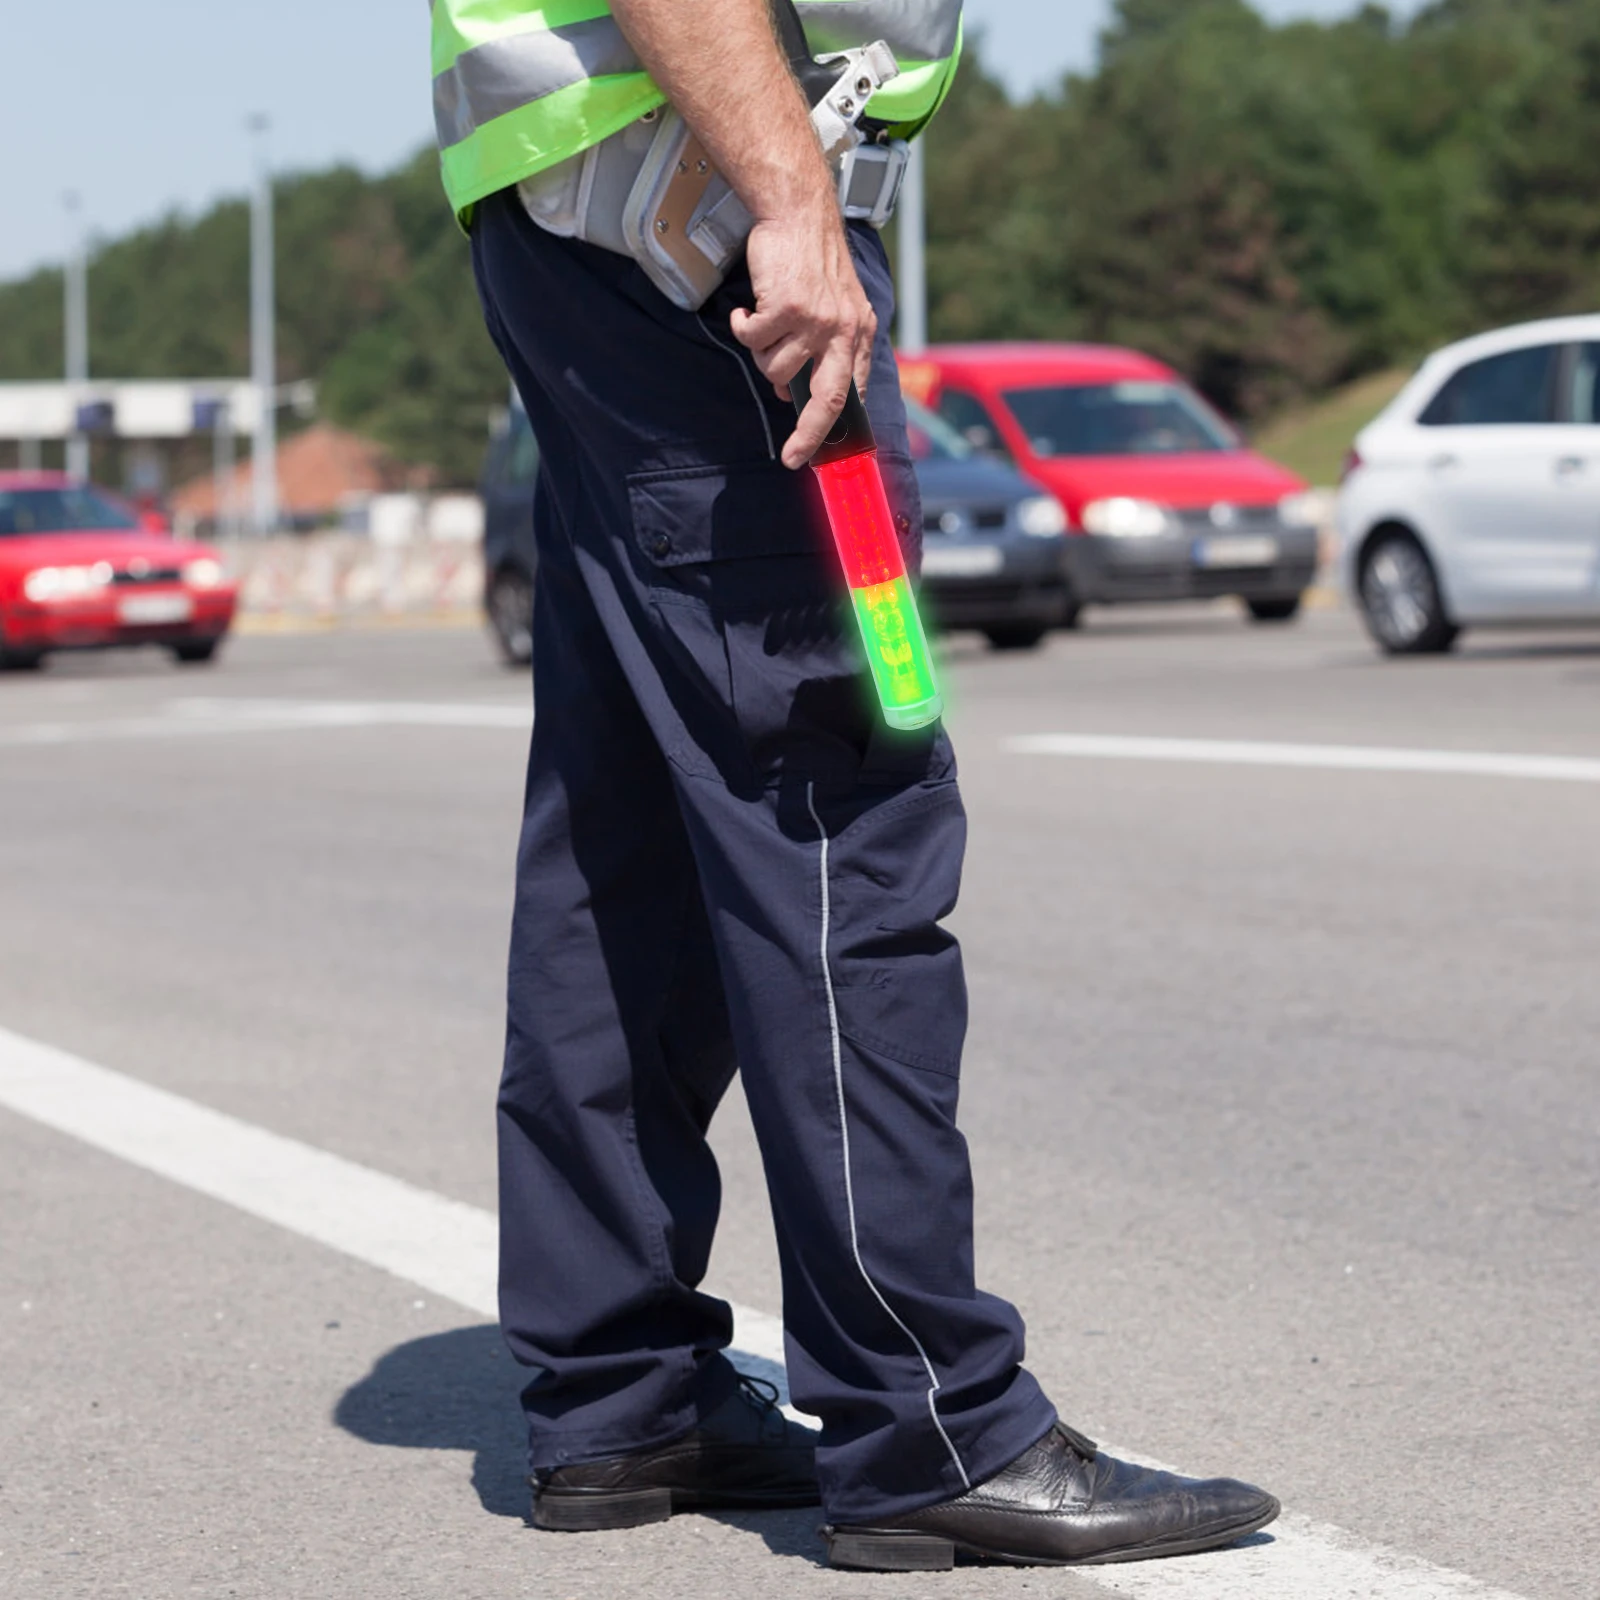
(598, 1511)
(907, 1550)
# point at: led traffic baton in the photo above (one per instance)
(885, 605)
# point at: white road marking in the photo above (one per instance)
(1322, 757)
(191, 719)
(449, 1248)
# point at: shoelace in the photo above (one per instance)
(763, 1396)
(1085, 1446)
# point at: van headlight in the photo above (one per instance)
(202, 573)
(1041, 516)
(1123, 518)
(1305, 510)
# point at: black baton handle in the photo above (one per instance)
(851, 435)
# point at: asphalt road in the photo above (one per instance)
(1282, 1094)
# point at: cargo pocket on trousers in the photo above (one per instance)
(742, 576)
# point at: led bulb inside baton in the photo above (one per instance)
(869, 550)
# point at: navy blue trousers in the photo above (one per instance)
(727, 862)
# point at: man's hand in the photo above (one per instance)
(809, 307)
(719, 63)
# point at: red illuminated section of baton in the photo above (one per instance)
(874, 567)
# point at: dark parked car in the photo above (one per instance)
(509, 561)
(993, 557)
(994, 545)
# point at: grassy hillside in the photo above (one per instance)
(1312, 440)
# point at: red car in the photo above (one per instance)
(1163, 499)
(81, 570)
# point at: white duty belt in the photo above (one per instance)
(650, 191)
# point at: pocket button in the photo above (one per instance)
(661, 545)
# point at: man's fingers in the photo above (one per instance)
(830, 388)
(863, 366)
(782, 361)
(766, 326)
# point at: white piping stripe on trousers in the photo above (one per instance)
(844, 1135)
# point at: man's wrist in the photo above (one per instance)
(779, 192)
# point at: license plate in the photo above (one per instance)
(1236, 552)
(961, 561)
(146, 610)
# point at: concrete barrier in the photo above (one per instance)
(332, 577)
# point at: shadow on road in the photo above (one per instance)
(449, 1391)
(459, 1391)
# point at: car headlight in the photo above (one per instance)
(202, 573)
(1041, 516)
(65, 583)
(1122, 518)
(1305, 510)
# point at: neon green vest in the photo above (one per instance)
(519, 86)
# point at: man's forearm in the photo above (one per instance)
(719, 63)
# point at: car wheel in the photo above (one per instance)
(510, 607)
(195, 652)
(14, 660)
(1400, 598)
(1285, 610)
(1016, 635)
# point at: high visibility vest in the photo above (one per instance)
(519, 86)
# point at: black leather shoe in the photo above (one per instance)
(745, 1456)
(1060, 1504)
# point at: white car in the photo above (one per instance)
(1475, 497)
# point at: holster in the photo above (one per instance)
(650, 191)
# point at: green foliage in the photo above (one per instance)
(1275, 210)
(375, 301)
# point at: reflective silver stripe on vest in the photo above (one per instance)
(502, 75)
(916, 30)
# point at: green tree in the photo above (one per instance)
(1271, 209)
(1535, 235)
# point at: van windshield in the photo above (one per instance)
(931, 437)
(1119, 419)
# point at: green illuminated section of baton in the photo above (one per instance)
(897, 651)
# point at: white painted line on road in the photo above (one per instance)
(1321, 757)
(1305, 1560)
(444, 1245)
(191, 719)
(449, 1248)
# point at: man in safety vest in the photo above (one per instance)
(726, 858)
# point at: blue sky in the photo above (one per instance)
(141, 108)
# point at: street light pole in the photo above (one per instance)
(77, 333)
(222, 470)
(911, 219)
(263, 340)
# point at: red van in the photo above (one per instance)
(1164, 500)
